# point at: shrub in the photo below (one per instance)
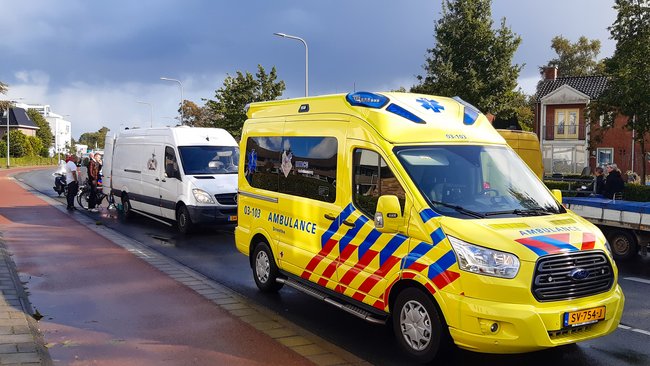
(636, 192)
(565, 187)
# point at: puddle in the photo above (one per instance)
(163, 240)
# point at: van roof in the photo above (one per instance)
(400, 118)
(185, 135)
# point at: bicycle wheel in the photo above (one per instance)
(82, 198)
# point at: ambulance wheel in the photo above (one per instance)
(126, 207)
(623, 244)
(417, 325)
(183, 220)
(265, 272)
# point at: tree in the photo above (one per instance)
(627, 90)
(576, 59)
(33, 146)
(94, 139)
(194, 116)
(227, 110)
(472, 60)
(44, 132)
(17, 144)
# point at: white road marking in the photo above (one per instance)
(624, 327)
(641, 331)
(636, 279)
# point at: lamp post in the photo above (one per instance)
(151, 110)
(181, 85)
(283, 35)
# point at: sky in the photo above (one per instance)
(91, 61)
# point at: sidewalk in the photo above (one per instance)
(104, 305)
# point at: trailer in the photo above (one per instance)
(626, 224)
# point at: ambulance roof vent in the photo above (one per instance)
(366, 99)
(471, 113)
(394, 108)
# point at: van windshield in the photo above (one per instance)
(468, 181)
(199, 160)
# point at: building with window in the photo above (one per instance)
(18, 120)
(61, 128)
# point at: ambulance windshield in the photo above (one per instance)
(199, 160)
(469, 181)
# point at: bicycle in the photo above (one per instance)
(83, 196)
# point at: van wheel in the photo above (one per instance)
(265, 272)
(183, 220)
(126, 207)
(417, 325)
(623, 244)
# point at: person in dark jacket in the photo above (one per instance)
(614, 182)
(598, 184)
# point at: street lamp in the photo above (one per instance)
(306, 58)
(181, 85)
(151, 109)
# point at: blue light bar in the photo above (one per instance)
(394, 108)
(470, 114)
(365, 99)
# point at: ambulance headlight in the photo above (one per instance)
(489, 262)
(202, 196)
(609, 248)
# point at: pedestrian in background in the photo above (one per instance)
(598, 184)
(93, 176)
(72, 177)
(614, 182)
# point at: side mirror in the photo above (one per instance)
(388, 217)
(557, 194)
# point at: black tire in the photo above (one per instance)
(82, 198)
(623, 244)
(265, 271)
(417, 325)
(183, 220)
(126, 207)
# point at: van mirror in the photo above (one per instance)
(388, 216)
(557, 194)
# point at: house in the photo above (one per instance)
(571, 143)
(18, 119)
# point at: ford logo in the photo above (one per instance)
(579, 274)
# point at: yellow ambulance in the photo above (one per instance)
(411, 209)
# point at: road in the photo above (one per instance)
(212, 253)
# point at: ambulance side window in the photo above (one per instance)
(263, 162)
(308, 167)
(372, 178)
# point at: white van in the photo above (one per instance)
(182, 174)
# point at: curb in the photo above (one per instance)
(287, 334)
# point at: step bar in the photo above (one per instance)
(352, 309)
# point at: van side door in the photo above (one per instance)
(170, 183)
(147, 197)
(369, 258)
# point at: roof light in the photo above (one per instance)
(394, 108)
(470, 113)
(365, 99)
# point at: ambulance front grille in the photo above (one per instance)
(565, 333)
(553, 279)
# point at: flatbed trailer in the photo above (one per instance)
(626, 224)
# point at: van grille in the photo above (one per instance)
(226, 198)
(553, 276)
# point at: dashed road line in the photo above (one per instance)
(636, 279)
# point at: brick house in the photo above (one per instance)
(18, 119)
(568, 139)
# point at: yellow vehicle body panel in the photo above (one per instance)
(336, 246)
(526, 145)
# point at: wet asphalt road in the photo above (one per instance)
(212, 252)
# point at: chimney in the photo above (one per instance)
(549, 72)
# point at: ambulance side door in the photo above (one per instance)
(310, 201)
(369, 258)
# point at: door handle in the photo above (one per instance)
(157, 180)
(348, 223)
(330, 217)
(164, 180)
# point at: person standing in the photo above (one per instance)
(72, 178)
(598, 184)
(93, 176)
(614, 182)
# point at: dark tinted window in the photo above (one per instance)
(371, 179)
(209, 159)
(263, 162)
(308, 167)
(171, 164)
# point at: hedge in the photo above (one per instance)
(632, 192)
(28, 161)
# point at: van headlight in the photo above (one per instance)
(202, 196)
(609, 248)
(475, 259)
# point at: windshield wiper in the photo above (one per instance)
(537, 211)
(460, 209)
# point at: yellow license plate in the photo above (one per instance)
(232, 218)
(581, 317)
